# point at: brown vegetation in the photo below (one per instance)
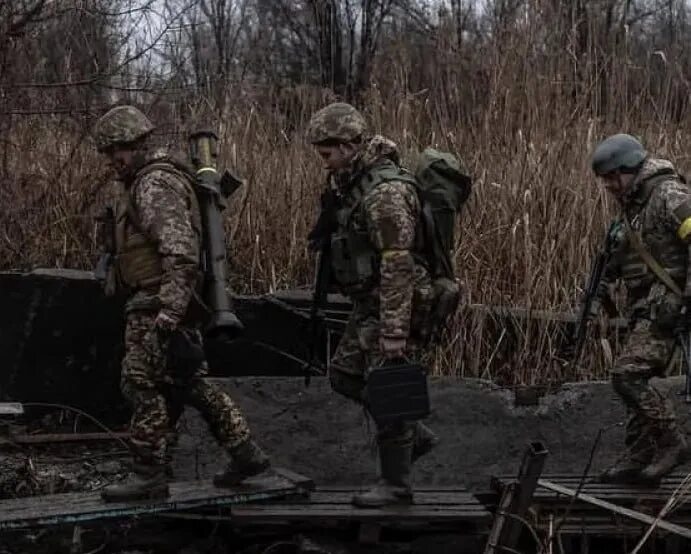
(521, 90)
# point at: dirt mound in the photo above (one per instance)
(318, 433)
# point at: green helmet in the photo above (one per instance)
(338, 122)
(121, 125)
(618, 152)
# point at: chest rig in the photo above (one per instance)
(138, 262)
(656, 237)
(355, 261)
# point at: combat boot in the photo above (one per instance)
(145, 482)
(394, 485)
(672, 451)
(247, 460)
(425, 441)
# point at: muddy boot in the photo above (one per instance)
(394, 485)
(145, 482)
(247, 460)
(672, 451)
(425, 441)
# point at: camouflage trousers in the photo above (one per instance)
(158, 391)
(651, 418)
(358, 351)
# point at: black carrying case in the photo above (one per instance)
(397, 392)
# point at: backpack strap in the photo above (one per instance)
(660, 272)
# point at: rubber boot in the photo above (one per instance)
(394, 485)
(672, 451)
(425, 441)
(144, 483)
(247, 460)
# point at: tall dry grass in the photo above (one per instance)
(523, 121)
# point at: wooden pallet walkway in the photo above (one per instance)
(88, 506)
(584, 517)
(451, 507)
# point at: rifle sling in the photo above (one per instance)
(660, 272)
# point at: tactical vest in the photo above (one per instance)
(138, 263)
(355, 261)
(669, 251)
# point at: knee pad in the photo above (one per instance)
(350, 386)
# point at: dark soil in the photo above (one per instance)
(320, 434)
(317, 433)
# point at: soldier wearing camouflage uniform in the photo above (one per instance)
(158, 244)
(375, 260)
(656, 210)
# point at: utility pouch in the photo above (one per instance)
(397, 391)
(447, 297)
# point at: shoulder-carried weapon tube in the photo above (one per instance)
(212, 191)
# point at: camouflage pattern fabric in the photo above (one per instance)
(658, 218)
(155, 387)
(646, 354)
(398, 306)
(654, 309)
(339, 122)
(121, 125)
(388, 216)
(155, 390)
(161, 199)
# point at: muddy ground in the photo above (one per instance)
(318, 433)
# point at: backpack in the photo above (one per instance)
(443, 186)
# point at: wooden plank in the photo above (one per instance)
(78, 507)
(419, 498)
(301, 512)
(672, 528)
(11, 408)
(46, 438)
(304, 483)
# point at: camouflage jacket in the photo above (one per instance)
(373, 248)
(658, 209)
(166, 221)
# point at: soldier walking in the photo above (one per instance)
(651, 255)
(157, 265)
(375, 259)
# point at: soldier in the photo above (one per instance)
(376, 262)
(651, 255)
(157, 263)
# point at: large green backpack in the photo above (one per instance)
(443, 185)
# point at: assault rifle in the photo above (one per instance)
(320, 241)
(590, 296)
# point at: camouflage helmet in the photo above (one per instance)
(618, 152)
(338, 122)
(121, 125)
